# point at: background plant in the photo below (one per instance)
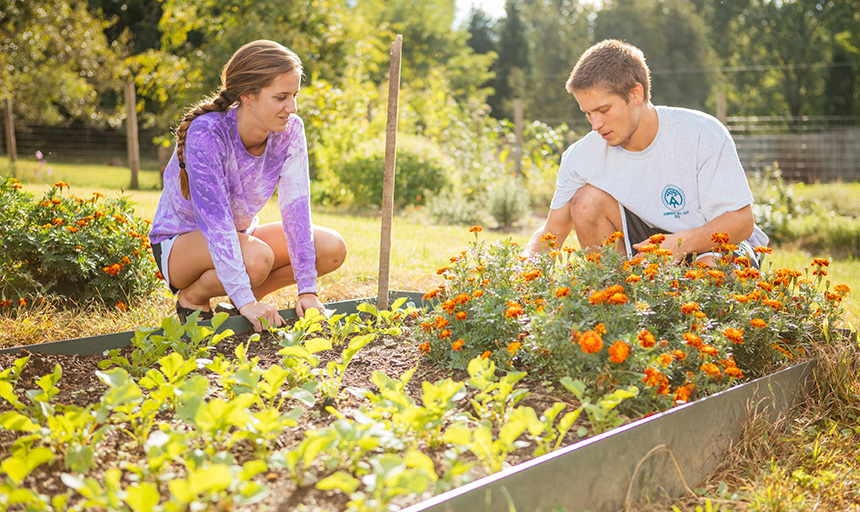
(70, 249)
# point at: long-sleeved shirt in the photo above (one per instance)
(229, 187)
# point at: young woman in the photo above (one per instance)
(232, 151)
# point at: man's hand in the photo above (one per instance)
(257, 311)
(308, 301)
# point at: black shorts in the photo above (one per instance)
(637, 230)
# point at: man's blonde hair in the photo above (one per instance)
(614, 65)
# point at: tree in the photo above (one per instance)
(674, 39)
(512, 66)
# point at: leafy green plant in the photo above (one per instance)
(509, 202)
(65, 248)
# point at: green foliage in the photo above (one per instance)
(422, 170)
(509, 202)
(66, 248)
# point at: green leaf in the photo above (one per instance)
(142, 497)
(123, 389)
(19, 467)
(341, 481)
(416, 459)
(577, 387)
(295, 351)
(315, 345)
(214, 478)
(11, 420)
(458, 434)
(79, 458)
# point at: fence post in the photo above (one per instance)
(11, 146)
(721, 107)
(131, 134)
(518, 132)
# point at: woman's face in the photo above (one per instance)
(270, 109)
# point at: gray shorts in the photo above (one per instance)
(637, 230)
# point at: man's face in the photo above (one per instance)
(615, 119)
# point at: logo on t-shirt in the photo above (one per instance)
(674, 199)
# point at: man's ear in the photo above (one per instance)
(636, 94)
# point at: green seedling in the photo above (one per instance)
(601, 414)
(496, 396)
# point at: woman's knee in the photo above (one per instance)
(331, 249)
(259, 259)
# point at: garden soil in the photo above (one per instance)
(393, 356)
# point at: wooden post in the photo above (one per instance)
(518, 132)
(11, 146)
(131, 134)
(388, 178)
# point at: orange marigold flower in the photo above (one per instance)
(646, 339)
(73, 229)
(633, 278)
(708, 350)
(477, 293)
(600, 328)
(458, 345)
(445, 334)
(532, 275)
(564, 291)
(513, 347)
(712, 370)
(432, 293)
(665, 360)
(773, 304)
(121, 306)
(514, 310)
(720, 238)
(461, 315)
(716, 274)
(682, 394)
(22, 301)
(657, 239)
(617, 299)
(442, 270)
(159, 275)
(763, 250)
(618, 352)
(734, 335)
(689, 308)
(5, 303)
(734, 372)
(57, 222)
(426, 326)
(424, 348)
(112, 270)
(597, 297)
(591, 342)
(692, 340)
(449, 306)
(758, 322)
(821, 262)
(462, 298)
(441, 322)
(475, 229)
(842, 289)
(654, 378)
(611, 239)
(125, 260)
(693, 274)
(680, 355)
(61, 184)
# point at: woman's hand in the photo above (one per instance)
(307, 301)
(257, 311)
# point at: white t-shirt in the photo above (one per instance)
(689, 175)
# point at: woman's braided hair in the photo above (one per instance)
(253, 67)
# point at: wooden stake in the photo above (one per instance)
(11, 147)
(388, 178)
(132, 143)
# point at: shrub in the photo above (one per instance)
(422, 171)
(509, 202)
(676, 331)
(67, 248)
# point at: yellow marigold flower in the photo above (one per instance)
(513, 347)
(734, 335)
(57, 222)
(708, 350)
(591, 342)
(646, 339)
(680, 355)
(712, 370)
(692, 340)
(633, 278)
(445, 334)
(693, 274)
(424, 348)
(657, 239)
(600, 328)
(458, 345)
(682, 394)
(689, 308)
(475, 229)
(618, 352)
(514, 311)
(563, 291)
(486, 354)
(665, 360)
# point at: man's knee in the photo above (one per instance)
(589, 204)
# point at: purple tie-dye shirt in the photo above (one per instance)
(229, 187)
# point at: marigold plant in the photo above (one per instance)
(676, 331)
(64, 248)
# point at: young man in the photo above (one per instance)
(644, 169)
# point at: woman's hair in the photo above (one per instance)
(253, 67)
(612, 64)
